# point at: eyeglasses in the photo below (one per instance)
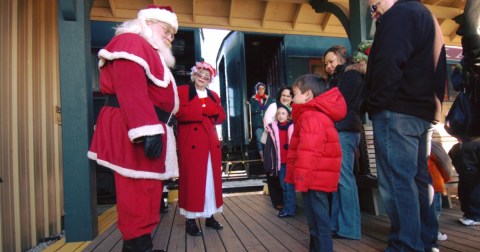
(373, 7)
(203, 76)
(168, 32)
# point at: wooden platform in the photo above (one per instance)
(250, 224)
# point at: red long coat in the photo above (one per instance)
(314, 155)
(132, 69)
(197, 136)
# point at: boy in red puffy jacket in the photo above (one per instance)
(315, 156)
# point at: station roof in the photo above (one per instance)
(266, 16)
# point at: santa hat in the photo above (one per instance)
(260, 84)
(203, 65)
(159, 13)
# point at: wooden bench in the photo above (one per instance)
(230, 164)
(369, 196)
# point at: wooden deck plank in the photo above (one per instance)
(245, 237)
(161, 235)
(111, 241)
(297, 234)
(250, 224)
(250, 220)
(101, 238)
(71, 246)
(211, 237)
(276, 226)
(193, 243)
(227, 234)
(177, 237)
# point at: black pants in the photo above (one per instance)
(275, 191)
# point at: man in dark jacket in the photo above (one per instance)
(405, 79)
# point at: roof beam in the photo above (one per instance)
(194, 11)
(265, 10)
(441, 12)
(297, 15)
(231, 12)
(113, 9)
(326, 20)
(288, 1)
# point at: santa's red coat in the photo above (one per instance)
(132, 69)
(197, 136)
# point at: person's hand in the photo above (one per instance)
(153, 146)
(211, 108)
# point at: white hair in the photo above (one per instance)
(139, 26)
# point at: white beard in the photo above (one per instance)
(167, 54)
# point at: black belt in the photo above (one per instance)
(165, 117)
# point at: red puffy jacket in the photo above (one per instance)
(315, 156)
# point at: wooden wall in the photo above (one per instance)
(30, 152)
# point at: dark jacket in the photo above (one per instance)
(258, 110)
(271, 153)
(401, 73)
(351, 85)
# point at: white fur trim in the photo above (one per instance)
(159, 15)
(106, 55)
(171, 163)
(177, 100)
(171, 159)
(148, 130)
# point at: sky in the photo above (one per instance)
(212, 40)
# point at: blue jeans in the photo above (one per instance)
(289, 197)
(345, 218)
(437, 202)
(315, 205)
(258, 132)
(402, 147)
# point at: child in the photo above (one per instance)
(275, 156)
(465, 157)
(315, 155)
(440, 168)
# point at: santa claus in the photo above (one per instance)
(133, 134)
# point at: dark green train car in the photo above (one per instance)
(277, 60)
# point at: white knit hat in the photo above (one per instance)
(159, 13)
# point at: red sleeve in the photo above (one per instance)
(130, 84)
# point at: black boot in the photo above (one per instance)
(192, 228)
(140, 244)
(211, 222)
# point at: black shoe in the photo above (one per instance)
(141, 243)
(192, 228)
(284, 215)
(211, 222)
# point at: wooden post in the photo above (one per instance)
(77, 116)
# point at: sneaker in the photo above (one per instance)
(468, 222)
(282, 214)
(441, 236)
